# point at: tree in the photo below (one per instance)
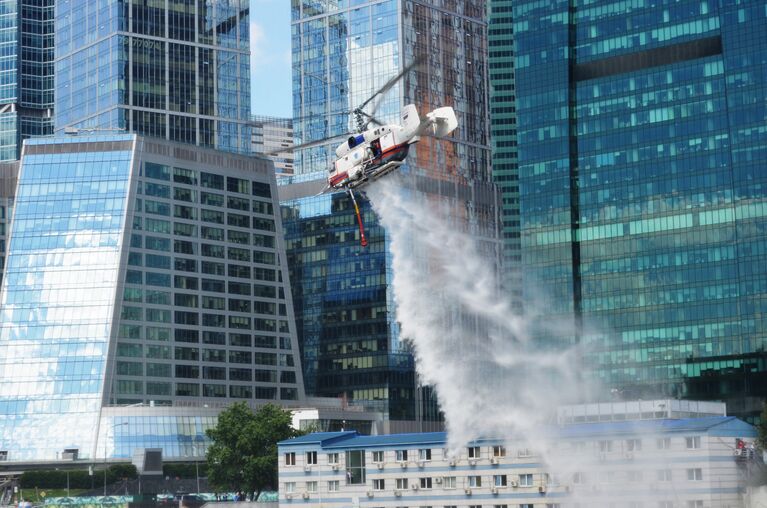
(761, 428)
(243, 455)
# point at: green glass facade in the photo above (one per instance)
(640, 131)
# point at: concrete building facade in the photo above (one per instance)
(668, 463)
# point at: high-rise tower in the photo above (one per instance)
(144, 273)
(26, 73)
(642, 191)
(177, 70)
(343, 295)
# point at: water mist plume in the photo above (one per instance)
(492, 377)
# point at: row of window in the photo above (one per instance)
(497, 451)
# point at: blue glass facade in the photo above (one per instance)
(343, 51)
(58, 294)
(136, 278)
(639, 131)
(26, 73)
(176, 70)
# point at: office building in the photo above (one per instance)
(668, 462)
(176, 70)
(139, 273)
(343, 296)
(640, 148)
(26, 87)
(273, 137)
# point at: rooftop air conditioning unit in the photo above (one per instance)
(542, 489)
(514, 483)
(306, 495)
(370, 493)
(472, 462)
(398, 493)
(380, 465)
(307, 468)
(494, 490)
(335, 467)
(467, 490)
(422, 463)
(452, 462)
(494, 461)
(438, 480)
(414, 486)
(403, 464)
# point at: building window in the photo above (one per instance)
(524, 452)
(526, 480)
(311, 458)
(663, 443)
(334, 486)
(290, 487)
(693, 443)
(379, 484)
(526, 505)
(401, 455)
(424, 454)
(665, 504)
(425, 483)
(355, 467)
(475, 481)
(378, 456)
(695, 474)
(473, 452)
(633, 445)
(401, 483)
(579, 477)
(311, 486)
(448, 482)
(605, 446)
(499, 451)
(332, 458)
(664, 475)
(698, 503)
(499, 480)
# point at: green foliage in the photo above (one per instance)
(761, 427)
(78, 478)
(243, 456)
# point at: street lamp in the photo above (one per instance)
(197, 443)
(105, 453)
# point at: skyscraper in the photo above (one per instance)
(344, 302)
(26, 89)
(273, 137)
(146, 273)
(642, 194)
(177, 70)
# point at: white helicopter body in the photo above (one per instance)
(376, 152)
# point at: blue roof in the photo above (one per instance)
(716, 425)
(318, 438)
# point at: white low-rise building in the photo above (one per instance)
(656, 463)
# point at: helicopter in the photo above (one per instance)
(373, 152)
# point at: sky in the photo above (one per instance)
(270, 64)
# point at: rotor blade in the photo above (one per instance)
(393, 81)
(310, 144)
